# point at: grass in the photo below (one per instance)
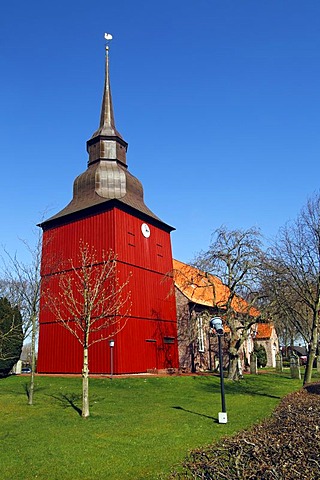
(139, 428)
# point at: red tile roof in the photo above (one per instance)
(206, 289)
(264, 330)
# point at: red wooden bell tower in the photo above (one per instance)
(108, 212)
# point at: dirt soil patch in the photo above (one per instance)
(284, 447)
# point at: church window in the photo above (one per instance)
(200, 334)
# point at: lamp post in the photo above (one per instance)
(216, 324)
(111, 344)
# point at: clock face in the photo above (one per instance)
(145, 229)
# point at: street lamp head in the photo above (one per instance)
(216, 323)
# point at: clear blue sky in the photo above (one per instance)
(218, 100)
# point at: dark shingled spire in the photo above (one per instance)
(106, 178)
(107, 123)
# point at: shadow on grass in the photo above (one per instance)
(196, 413)
(250, 390)
(243, 387)
(66, 401)
(26, 389)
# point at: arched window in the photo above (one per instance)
(200, 334)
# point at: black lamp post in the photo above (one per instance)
(216, 324)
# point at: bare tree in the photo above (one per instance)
(22, 285)
(281, 303)
(91, 304)
(293, 266)
(235, 258)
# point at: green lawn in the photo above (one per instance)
(138, 429)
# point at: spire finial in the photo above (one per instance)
(108, 37)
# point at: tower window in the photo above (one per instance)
(159, 250)
(168, 340)
(131, 239)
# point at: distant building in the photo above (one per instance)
(297, 350)
(265, 334)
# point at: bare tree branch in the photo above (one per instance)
(23, 286)
(91, 303)
(292, 276)
(234, 257)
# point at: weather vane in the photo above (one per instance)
(108, 37)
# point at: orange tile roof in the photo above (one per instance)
(206, 289)
(264, 330)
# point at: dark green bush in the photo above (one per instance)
(11, 336)
(261, 354)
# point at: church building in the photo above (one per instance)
(108, 212)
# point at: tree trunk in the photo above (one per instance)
(312, 350)
(85, 384)
(193, 367)
(33, 358)
(235, 344)
(233, 373)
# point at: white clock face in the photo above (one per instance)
(145, 229)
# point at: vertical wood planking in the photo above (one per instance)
(141, 345)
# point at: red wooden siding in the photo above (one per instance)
(132, 247)
(62, 243)
(139, 347)
(149, 339)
